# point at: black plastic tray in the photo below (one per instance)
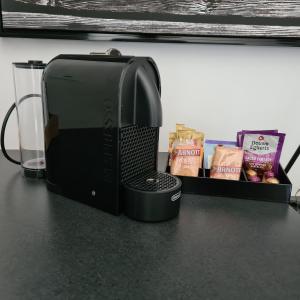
(243, 189)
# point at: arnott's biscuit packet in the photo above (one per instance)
(172, 138)
(198, 139)
(187, 153)
(185, 135)
(262, 151)
(209, 150)
(227, 163)
(179, 127)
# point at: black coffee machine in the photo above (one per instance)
(103, 114)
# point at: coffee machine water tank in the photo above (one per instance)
(102, 131)
(29, 108)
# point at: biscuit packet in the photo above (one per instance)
(209, 150)
(227, 163)
(196, 136)
(172, 138)
(186, 151)
(185, 155)
(179, 127)
(262, 151)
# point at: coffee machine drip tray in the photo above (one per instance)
(152, 196)
(153, 182)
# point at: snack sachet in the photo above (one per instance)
(209, 150)
(262, 152)
(227, 163)
(186, 151)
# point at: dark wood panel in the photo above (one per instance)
(194, 18)
(42, 21)
(247, 8)
(257, 8)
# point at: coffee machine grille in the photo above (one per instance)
(138, 151)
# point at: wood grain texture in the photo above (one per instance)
(246, 8)
(65, 22)
(237, 18)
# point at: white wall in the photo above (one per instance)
(217, 89)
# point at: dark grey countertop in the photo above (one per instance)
(218, 248)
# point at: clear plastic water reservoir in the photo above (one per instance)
(27, 80)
